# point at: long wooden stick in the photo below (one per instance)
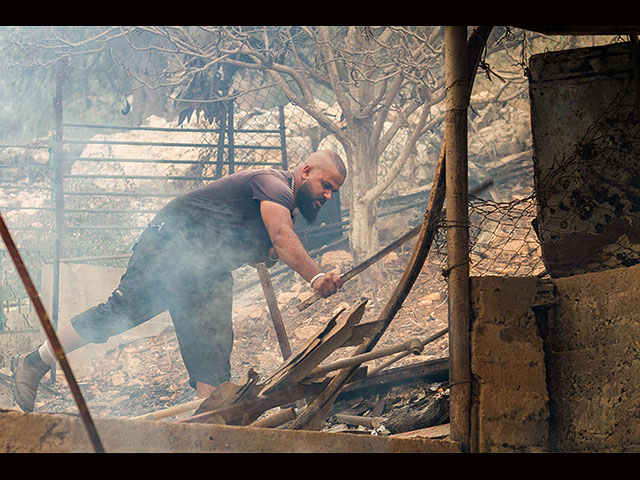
(51, 335)
(274, 310)
(171, 411)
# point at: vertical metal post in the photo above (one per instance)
(51, 335)
(230, 142)
(283, 138)
(456, 84)
(3, 322)
(221, 132)
(58, 192)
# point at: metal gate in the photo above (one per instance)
(96, 206)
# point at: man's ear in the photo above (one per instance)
(306, 171)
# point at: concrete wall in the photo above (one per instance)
(510, 409)
(593, 357)
(555, 364)
(44, 433)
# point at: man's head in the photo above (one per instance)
(317, 178)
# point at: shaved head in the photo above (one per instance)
(326, 158)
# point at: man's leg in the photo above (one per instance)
(204, 389)
(201, 314)
(28, 369)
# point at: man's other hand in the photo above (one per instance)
(327, 284)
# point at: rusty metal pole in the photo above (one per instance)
(457, 195)
(51, 335)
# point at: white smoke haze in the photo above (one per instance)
(146, 363)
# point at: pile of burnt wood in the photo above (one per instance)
(344, 395)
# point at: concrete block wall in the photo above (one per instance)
(509, 395)
(594, 361)
(559, 372)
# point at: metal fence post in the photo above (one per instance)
(457, 195)
(230, 144)
(221, 131)
(58, 192)
(283, 137)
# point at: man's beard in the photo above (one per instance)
(305, 202)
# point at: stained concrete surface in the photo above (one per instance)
(46, 433)
(585, 124)
(556, 363)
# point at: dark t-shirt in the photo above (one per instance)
(222, 220)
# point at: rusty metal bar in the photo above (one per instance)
(51, 336)
(401, 355)
(457, 199)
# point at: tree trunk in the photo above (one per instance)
(363, 173)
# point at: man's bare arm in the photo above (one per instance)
(291, 251)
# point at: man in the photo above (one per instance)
(182, 263)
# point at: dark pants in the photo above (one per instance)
(166, 272)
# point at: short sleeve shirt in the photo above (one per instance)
(225, 214)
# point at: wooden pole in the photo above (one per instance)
(171, 411)
(274, 310)
(457, 197)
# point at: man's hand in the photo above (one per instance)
(327, 284)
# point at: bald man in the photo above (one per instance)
(183, 261)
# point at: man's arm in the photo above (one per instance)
(291, 251)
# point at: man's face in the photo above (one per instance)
(317, 187)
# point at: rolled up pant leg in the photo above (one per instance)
(140, 296)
